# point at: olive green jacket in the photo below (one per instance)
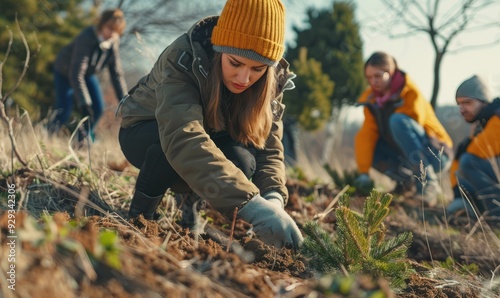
(173, 93)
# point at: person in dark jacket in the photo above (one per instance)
(209, 116)
(477, 157)
(76, 68)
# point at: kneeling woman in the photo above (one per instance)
(400, 132)
(209, 115)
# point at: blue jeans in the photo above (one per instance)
(479, 178)
(65, 99)
(413, 145)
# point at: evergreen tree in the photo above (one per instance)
(360, 245)
(311, 96)
(48, 25)
(333, 39)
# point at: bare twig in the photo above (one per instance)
(329, 208)
(3, 98)
(493, 276)
(232, 229)
(26, 61)
(271, 285)
(423, 180)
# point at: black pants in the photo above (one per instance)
(141, 146)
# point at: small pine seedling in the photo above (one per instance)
(360, 245)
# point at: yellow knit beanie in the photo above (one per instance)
(254, 29)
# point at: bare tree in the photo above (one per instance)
(3, 97)
(158, 19)
(443, 22)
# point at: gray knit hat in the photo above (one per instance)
(475, 87)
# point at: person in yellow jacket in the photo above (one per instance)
(477, 157)
(400, 130)
(209, 116)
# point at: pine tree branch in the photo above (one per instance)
(319, 243)
(354, 231)
(395, 247)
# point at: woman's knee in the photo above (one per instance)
(244, 159)
(155, 154)
(136, 141)
(396, 120)
(401, 123)
(240, 155)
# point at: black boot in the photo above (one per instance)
(144, 204)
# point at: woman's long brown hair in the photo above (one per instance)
(249, 113)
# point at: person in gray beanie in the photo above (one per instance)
(472, 172)
(475, 87)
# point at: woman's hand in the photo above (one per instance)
(275, 198)
(364, 183)
(271, 223)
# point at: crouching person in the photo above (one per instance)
(209, 115)
(400, 131)
(477, 158)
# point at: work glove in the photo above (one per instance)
(363, 183)
(271, 223)
(275, 198)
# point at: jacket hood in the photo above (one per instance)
(488, 111)
(201, 32)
